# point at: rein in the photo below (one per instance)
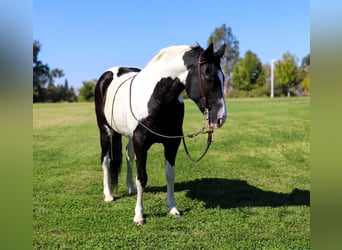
(204, 130)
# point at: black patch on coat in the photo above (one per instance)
(190, 59)
(165, 111)
(101, 89)
(125, 70)
(165, 117)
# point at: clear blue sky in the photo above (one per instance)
(84, 38)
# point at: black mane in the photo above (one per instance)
(191, 57)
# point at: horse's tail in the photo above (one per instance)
(111, 144)
(100, 96)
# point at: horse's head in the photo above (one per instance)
(204, 83)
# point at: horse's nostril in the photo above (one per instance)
(219, 121)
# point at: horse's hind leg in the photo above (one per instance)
(105, 162)
(111, 158)
(130, 156)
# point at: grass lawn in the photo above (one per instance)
(252, 189)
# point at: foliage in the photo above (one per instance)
(225, 35)
(60, 93)
(306, 61)
(305, 84)
(248, 73)
(251, 191)
(87, 91)
(263, 91)
(42, 75)
(286, 72)
(267, 70)
(305, 74)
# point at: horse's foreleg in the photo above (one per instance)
(140, 149)
(170, 173)
(130, 159)
(171, 149)
(139, 207)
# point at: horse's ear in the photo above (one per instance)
(208, 53)
(220, 52)
(210, 49)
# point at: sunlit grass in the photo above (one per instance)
(250, 191)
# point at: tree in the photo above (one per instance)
(55, 73)
(267, 70)
(40, 75)
(60, 93)
(286, 72)
(305, 73)
(306, 61)
(248, 73)
(87, 91)
(305, 84)
(225, 35)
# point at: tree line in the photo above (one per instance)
(247, 76)
(45, 88)
(244, 76)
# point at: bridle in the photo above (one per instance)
(204, 130)
(204, 99)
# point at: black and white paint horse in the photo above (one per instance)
(130, 102)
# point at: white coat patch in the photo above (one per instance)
(168, 63)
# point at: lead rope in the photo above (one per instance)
(202, 131)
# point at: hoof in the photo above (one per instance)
(132, 191)
(109, 198)
(140, 223)
(174, 211)
(138, 219)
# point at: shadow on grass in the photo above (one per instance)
(225, 193)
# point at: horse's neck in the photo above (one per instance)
(168, 63)
(174, 69)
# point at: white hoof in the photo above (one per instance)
(174, 211)
(139, 220)
(108, 198)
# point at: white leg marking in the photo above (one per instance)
(130, 156)
(139, 207)
(170, 173)
(107, 189)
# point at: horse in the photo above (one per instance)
(146, 106)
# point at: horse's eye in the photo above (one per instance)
(207, 77)
(208, 73)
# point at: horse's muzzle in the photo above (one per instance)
(218, 124)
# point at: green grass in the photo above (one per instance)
(250, 191)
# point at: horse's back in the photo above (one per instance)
(106, 79)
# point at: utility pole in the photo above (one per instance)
(272, 79)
